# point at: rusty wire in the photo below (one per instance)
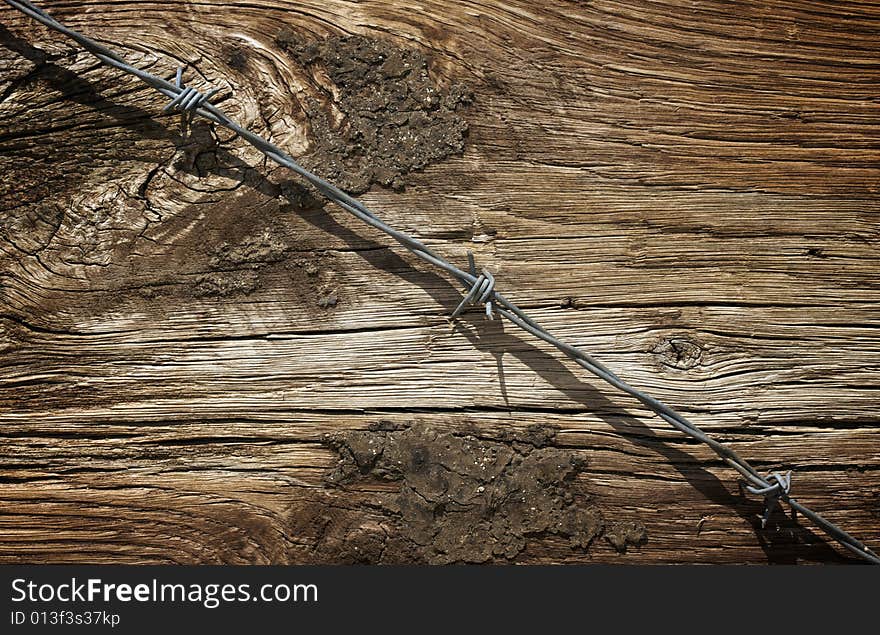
(480, 288)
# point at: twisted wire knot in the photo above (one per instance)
(188, 100)
(780, 489)
(480, 291)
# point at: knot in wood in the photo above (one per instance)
(680, 352)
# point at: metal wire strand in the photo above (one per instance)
(480, 288)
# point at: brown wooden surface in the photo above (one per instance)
(688, 190)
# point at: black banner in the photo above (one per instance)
(222, 599)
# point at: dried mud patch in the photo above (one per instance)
(260, 260)
(374, 112)
(237, 247)
(238, 267)
(435, 496)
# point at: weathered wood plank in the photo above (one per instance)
(687, 191)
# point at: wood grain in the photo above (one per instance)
(688, 190)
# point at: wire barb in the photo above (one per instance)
(772, 493)
(481, 291)
(480, 288)
(188, 100)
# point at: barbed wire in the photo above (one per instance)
(480, 288)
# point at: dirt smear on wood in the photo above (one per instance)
(376, 114)
(266, 258)
(453, 498)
